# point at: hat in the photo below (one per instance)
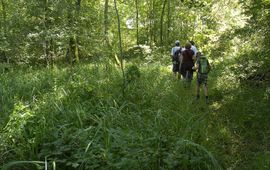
(177, 42)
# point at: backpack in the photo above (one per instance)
(204, 66)
(176, 56)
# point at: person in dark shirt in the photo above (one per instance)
(187, 62)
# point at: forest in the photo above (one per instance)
(88, 84)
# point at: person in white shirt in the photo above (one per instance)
(177, 47)
(193, 47)
(175, 55)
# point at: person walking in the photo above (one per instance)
(193, 47)
(187, 62)
(203, 67)
(175, 55)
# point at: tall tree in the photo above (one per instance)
(161, 21)
(152, 22)
(4, 27)
(137, 21)
(76, 39)
(120, 45)
(168, 21)
(47, 52)
(73, 15)
(106, 22)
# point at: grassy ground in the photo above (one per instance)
(79, 118)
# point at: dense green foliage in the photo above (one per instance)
(94, 107)
(46, 32)
(79, 118)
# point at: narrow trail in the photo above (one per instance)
(158, 120)
(235, 123)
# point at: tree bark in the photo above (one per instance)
(106, 22)
(161, 21)
(154, 22)
(120, 45)
(149, 28)
(4, 13)
(76, 38)
(46, 41)
(137, 21)
(73, 55)
(78, 6)
(168, 22)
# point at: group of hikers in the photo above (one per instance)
(188, 59)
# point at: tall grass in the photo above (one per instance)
(79, 119)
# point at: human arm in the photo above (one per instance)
(172, 52)
(209, 66)
(193, 56)
(196, 66)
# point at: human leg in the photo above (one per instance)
(206, 89)
(206, 93)
(198, 86)
(175, 70)
(187, 81)
(190, 73)
(198, 91)
(179, 75)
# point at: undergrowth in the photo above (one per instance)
(79, 118)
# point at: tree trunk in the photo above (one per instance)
(106, 22)
(70, 49)
(120, 46)
(154, 23)
(4, 13)
(72, 54)
(52, 50)
(149, 28)
(137, 21)
(76, 38)
(161, 22)
(78, 6)
(168, 22)
(46, 41)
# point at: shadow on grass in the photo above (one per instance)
(239, 126)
